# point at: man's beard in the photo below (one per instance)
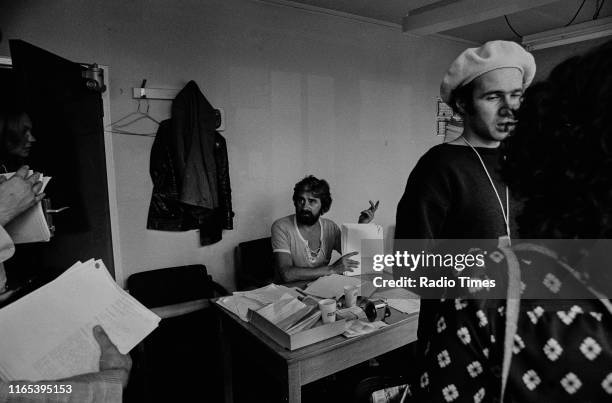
(306, 218)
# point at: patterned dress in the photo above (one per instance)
(561, 352)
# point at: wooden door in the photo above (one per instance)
(67, 123)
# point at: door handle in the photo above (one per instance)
(48, 211)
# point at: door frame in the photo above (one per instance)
(110, 173)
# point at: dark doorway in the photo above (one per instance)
(67, 123)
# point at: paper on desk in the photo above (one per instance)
(48, 333)
(268, 294)
(240, 302)
(305, 323)
(239, 305)
(331, 286)
(281, 309)
(31, 225)
(356, 328)
(351, 238)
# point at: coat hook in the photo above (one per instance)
(143, 93)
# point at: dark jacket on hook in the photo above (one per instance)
(190, 171)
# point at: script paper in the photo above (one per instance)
(240, 302)
(31, 225)
(331, 286)
(351, 238)
(48, 333)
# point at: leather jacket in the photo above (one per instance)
(190, 171)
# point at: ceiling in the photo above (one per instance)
(533, 20)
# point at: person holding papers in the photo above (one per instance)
(302, 243)
(106, 385)
(17, 194)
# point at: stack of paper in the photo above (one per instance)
(286, 312)
(331, 286)
(240, 302)
(306, 323)
(366, 239)
(31, 225)
(48, 333)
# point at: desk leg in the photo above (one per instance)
(293, 394)
(226, 356)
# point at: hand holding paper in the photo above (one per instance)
(110, 357)
(18, 192)
(345, 264)
(48, 333)
(352, 237)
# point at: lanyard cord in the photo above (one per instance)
(506, 213)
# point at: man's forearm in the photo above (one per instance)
(292, 273)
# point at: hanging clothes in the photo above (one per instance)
(190, 170)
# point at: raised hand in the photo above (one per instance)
(367, 216)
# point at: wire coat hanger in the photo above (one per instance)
(116, 126)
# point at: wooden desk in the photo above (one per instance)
(300, 367)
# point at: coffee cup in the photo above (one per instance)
(350, 295)
(328, 310)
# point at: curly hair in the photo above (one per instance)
(559, 159)
(319, 189)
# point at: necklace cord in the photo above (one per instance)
(506, 213)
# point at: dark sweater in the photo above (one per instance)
(448, 196)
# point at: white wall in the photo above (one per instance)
(348, 101)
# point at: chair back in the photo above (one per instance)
(173, 285)
(184, 349)
(254, 264)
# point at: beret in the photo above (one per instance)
(474, 62)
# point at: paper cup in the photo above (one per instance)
(328, 310)
(350, 295)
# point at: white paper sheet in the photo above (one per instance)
(31, 225)
(240, 302)
(352, 236)
(356, 328)
(48, 333)
(280, 310)
(331, 286)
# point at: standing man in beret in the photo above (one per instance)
(454, 191)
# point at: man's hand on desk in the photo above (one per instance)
(110, 357)
(19, 193)
(344, 263)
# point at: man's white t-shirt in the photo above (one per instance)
(286, 238)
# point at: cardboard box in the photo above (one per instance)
(297, 340)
